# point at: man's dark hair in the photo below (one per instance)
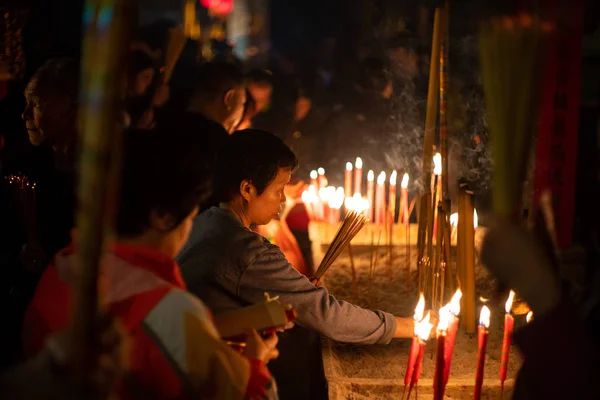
(260, 77)
(60, 74)
(214, 79)
(163, 171)
(252, 155)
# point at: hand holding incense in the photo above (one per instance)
(509, 323)
(451, 336)
(484, 324)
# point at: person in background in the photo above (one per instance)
(142, 94)
(556, 336)
(229, 266)
(260, 86)
(249, 113)
(175, 350)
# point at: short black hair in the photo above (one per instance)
(214, 79)
(260, 77)
(252, 155)
(163, 171)
(60, 74)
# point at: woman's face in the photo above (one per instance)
(263, 208)
(142, 81)
(178, 237)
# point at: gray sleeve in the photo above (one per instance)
(316, 308)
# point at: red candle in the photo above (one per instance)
(414, 347)
(440, 364)
(451, 336)
(313, 179)
(404, 217)
(348, 180)
(484, 323)
(358, 176)
(322, 178)
(423, 329)
(392, 196)
(380, 199)
(371, 194)
(509, 323)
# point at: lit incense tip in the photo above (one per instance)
(393, 177)
(348, 166)
(371, 175)
(404, 183)
(358, 163)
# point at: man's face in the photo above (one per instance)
(142, 81)
(48, 114)
(235, 101)
(261, 95)
(266, 206)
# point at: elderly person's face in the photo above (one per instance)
(49, 115)
(262, 208)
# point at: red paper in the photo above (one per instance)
(482, 336)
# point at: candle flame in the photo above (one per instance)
(357, 203)
(321, 171)
(325, 193)
(455, 302)
(313, 174)
(509, 302)
(483, 299)
(423, 328)
(529, 316)
(381, 178)
(437, 164)
(454, 219)
(393, 177)
(371, 175)
(337, 198)
(404, 183)
(348, 166)
(420, 308)
(444, 318)
(358, 163)
(484, 317)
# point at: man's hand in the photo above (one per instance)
(264, 350)
(405, 328)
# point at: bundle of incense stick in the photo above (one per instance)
(349, 228)
(512, 51)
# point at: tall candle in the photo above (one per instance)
(380, 199)
(392, 196)
(451, 336)
(371, 194)
(404, 217)
(322, 178)
(484, 324)
(440, 364)
(509, 324)
(313, 179)
(423, 330)
(414, 347)
(348, 180)
(358, 176)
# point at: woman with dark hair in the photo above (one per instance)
(175, 349)
(229, 266)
